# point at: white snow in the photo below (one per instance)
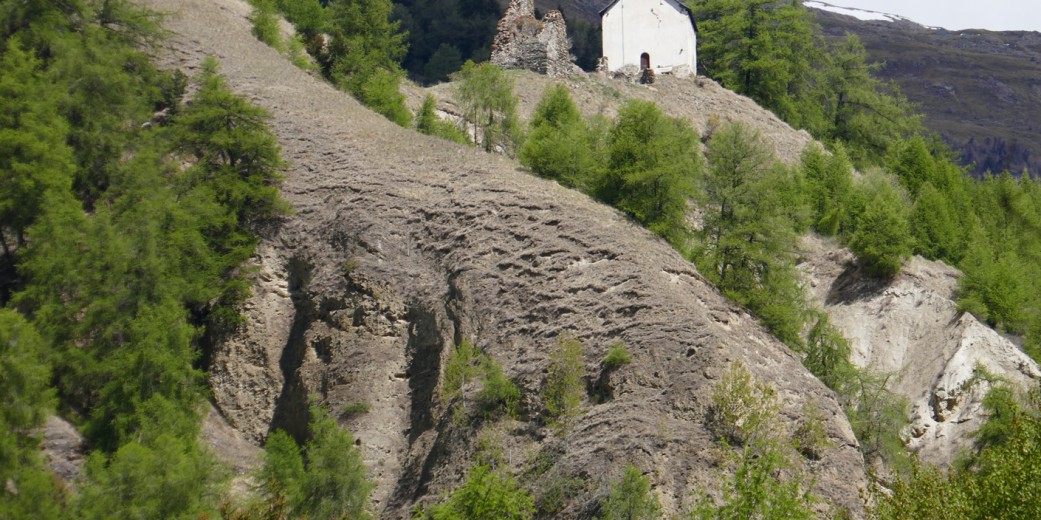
(860, 14)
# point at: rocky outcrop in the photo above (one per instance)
(524, 42)
(63, 449)
(910, 327)
(402, 245)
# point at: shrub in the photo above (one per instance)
(427, 122)
(354, 409)
(498, 394)
(462, 366)
(743, 409)
(265, 23)
(328, 481)
(487, 493)
(810, 437)
(883, 239)
(616, 356)
(562, 393)
(755, 491)
(631, 498)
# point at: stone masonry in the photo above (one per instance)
(524, 42)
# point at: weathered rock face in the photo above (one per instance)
(402, 245)
(910, 327)
(63, 449)
(524, 42)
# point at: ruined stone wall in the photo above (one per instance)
(524, 42)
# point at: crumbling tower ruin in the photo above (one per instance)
(524, 42)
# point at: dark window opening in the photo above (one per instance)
(645, 61)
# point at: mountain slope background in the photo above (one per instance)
(979, 90)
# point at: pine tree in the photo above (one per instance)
(488, 102)
(864, 113)
(557, 145)
(882, 240)
(35, 162)
(766, 50)
(363, 40)
(653, 163)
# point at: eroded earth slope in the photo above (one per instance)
(401, 245)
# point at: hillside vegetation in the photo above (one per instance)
(130, 212)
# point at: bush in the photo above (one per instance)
(379, 91)
(354, 409)
(265, 23)
(328, 481)
(616, 356)
(631, 498)
(428, 123)
(558, 144)
(498, 394)
(882, 240)
(562, 393)
(463, 364)
(755, 491)
(487, 493)
(743, 409)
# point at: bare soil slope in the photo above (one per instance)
(402, 245)
(910, 327)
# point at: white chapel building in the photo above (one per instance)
(651, 34)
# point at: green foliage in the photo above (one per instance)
(744, 412)
(1001, 481)
(166, 477)
(616, 356)
(307, 16)
(743, 409)
(463, 364)
(487, 493)
(379, 91)
(653, 163)
(882, 240)
(829, 181)
(756, 491)
(35, 162)
(364, 53)
(498, 395)
(354, 409)
(429, 123)
(864, 113)
(766, 50)
(264, 22)
(877, 416)
(630, 498)
(282, 473)
(27, 399)
(442, 34)
(326, 481)
(564, 387)
(238, 157)
(827, 354)
(936, 231)
(745, 245)
(810, 437)
(559, 144)
(485, 94)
